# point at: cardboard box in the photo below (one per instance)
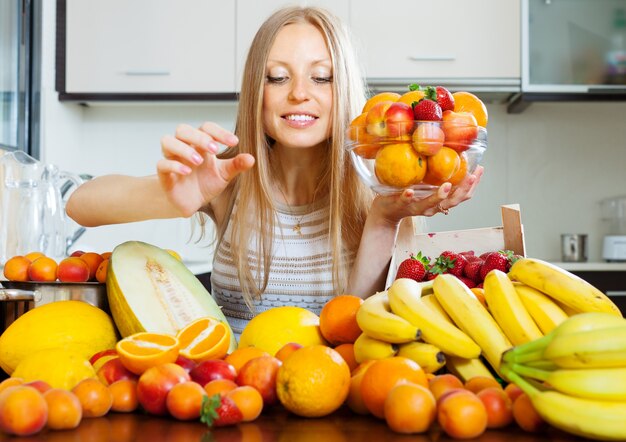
(509, 236)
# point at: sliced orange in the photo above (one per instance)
(143, 350)
(204, 338)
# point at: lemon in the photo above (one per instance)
(71, 325)
(59, 368)
(273, 328)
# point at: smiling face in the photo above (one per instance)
(297, 96)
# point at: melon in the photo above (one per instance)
(61, 325)
(150, 290)
(59, 368)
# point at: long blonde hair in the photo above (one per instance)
(349, 197)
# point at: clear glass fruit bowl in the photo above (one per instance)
(418, 155)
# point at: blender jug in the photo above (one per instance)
(614, 244)
(32, 215)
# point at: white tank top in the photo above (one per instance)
(300, 271)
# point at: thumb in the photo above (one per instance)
(234, 166)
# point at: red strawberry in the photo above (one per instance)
(494, 260)
(468, 282)
(427, 109)
(472, 269)
(413, 268)
(468, 254)
(451, 262)
(445, 98)
(218, 411)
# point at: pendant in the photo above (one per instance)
(298, 229)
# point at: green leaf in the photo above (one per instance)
(414, 87)
(208, 413)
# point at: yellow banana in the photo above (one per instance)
(471, 317)
(428, 356)
(432, 302)
(562, 285)
(507, 309)
(602, 348)
(466, 369)
(544, 311)
(593, 383)
(366, 348)
(377, 321)
(405, 300)
(589, 418)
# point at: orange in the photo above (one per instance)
(468, 102)
(378, 98)
(313, 382)
(366, 143)
(442, 166)
(338, 319)
(64, 409)
(410, 408)
(248, 400)
(347, 353)
(461, 172)
(399, 165)
(411, 97)
(383, 375)
(240, 356)
(355, 398)
(204, 338)
(143, 350)
(95, 397)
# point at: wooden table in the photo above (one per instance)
(274, 425)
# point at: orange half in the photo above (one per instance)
(141, 351)
(204, 338)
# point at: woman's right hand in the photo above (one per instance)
(190, 173)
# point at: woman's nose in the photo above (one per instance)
(299, 91)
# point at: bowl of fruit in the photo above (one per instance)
(418, 140)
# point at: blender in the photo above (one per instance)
(614, 244)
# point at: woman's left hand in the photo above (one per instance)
(395, 207)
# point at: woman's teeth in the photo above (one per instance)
(299, 117)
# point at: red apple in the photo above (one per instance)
(428, 138)
(100, 354)
(398, 120)
(113, 370)
(155, 383)
(260, 373)
(186, 363)
(460, 129)
(375, 119)
(211, 369)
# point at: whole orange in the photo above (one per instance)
(410, 408)
(468, 102)
(383, 375)
(378, 98)
(313, 382)
(442, 166)
(338, 319)
(399, 165)
(355, 398)
(347, 353)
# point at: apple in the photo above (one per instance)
(260, 373)
(155, 383)
(103, 353)
(113, 370)
(375, 119)
(398, 120)
(186, 363)
(211, 369)
(428, 138)
(460, 129)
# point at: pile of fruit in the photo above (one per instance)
(78, 267)
(420, 137)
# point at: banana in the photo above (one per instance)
(466, 369)
(544, 311)
(405, 301)
(432, 302)
(602, 348)
(593, 383)
(471, 317)
(366, 348)
(589, 418)
(562, 285)
(507, 309)
(377, 321)
(428, 356)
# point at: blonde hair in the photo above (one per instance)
(349, 198)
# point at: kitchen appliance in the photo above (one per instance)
(614, 244)
(32, 208)
(574, 247)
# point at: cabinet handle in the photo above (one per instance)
(615, 293)
(432, 58)
(146, 73)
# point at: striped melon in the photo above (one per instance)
(150, 290)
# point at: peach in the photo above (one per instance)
(442, 383)
(286, 350)
(43, 269)
(460, 129)
(211, 369)
(92, 260)
(375, 119)
(155, 383)
(16, 268)
(260, 373)
(77, 253)
(428, 138)
(498, 405)
(23, 411)
(40, 386)
(513, 391)
(398, 120)
(73, 269)
(186, 363)
(462, 415)
(113, 370)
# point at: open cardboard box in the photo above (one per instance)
(509, 236)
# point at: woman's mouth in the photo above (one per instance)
(299, 120)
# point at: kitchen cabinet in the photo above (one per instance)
(612, 283)
(438, 41)
(145, 47)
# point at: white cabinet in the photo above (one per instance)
(438, 39)
(149, 46)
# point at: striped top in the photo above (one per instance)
(300, 271)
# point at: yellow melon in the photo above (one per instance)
(273, 328)
(69, 325)
(59, 368)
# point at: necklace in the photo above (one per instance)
(297, 228)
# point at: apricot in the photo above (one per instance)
(33, 256)
(462, 415)
(286, 350)
(442, 383)
(95, 398)
(526, 416)
(40, 386)
(184, 400)
(43, 269)
(498, 405)
(248, 400)
(16, 268)
(106, 255)
(155, 383)
(64, 409)
(219, 386)
(410, 408)
(73, 269)
(124, 394)
(513, 391)
(478, 383)
(101, 273)
(10, 382)
(23, 411)
(93, 260)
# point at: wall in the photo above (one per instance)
(557, 160)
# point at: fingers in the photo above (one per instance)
(219, 134)
(230, 168)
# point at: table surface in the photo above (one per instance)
(274, 425)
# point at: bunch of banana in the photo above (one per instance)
(376, 319)
(428, 356)
(466, 369)
(367, 348)
(544, 311)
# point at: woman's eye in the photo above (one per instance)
(276, 80)
(323, 79)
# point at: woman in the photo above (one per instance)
(295, 224)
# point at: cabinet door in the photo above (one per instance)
(248, 22)
(438, 39)
(150, 46)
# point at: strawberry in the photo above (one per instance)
(472, 269)
(218, 411)
(444, 98)
(494, 260)
(452, 262)
(427, 109)
(468, 282)
(413, 268)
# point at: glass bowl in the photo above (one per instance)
(418, 155)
